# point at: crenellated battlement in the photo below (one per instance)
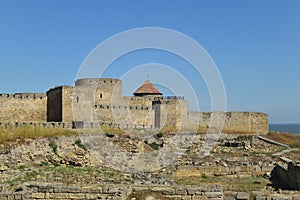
(34, 96)
(124, 107)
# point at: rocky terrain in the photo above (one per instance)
(145, 166)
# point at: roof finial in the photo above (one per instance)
(148, 76)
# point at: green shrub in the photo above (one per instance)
(154, 146)
(80, 145)
(53, 145)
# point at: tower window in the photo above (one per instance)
(100, 96)
(77, 99)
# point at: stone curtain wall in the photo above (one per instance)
(60, 104)
(235, 122)
(67, 104)
(54, 105)
(173, 112)
(23, 107)
(124, 115)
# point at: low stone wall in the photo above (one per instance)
(42, 124)
(71, 125)
(187, 171)
(37, 190)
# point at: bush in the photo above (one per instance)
(154, 146)
(159, 135)
(80, 145)
(53, 145)
(204, 176)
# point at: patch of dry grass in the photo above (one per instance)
(12, 134)
(107, 129)
(285, 138)
(169, 129)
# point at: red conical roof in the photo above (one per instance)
(147, 89)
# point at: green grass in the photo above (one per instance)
(154, 146)
(22, 167)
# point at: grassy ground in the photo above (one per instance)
(63, 174)
(293, 140)
(12, 134)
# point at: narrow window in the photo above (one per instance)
(77, 99)
(100, 96)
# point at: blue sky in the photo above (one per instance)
(255, 45)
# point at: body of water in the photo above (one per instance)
(290, 128)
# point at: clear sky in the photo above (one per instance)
(255, 44)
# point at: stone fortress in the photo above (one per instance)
(95, 102)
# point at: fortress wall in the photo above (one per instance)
(106, 90)
(54, 105)
(124, 115)
(109, 91)
(238, 121)
(142, 116)
(59, 104)
(193, 117)
(67, 104)
(83, 103)
(23, 107)
(252, 122)
(173, 112)
(140, 101)
(235, 122)
(259, 122)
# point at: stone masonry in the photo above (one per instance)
(99, 101)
